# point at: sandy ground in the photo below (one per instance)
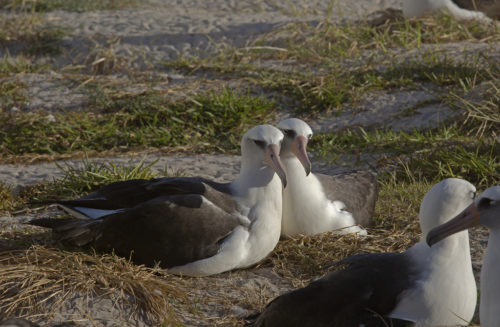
(164, 30)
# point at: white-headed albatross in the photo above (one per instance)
(315, 203)
(484, 211)
(422, 286)
(191, 226)
(460, 9)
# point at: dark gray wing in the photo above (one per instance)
(128, 194)
(358, 190)
(362, 293)
(170, 229)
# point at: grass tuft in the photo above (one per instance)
(35, 279)
(8, 201)
(212, 121)
(88, 176)
(69, 5)
(36, 36)
(420, 155)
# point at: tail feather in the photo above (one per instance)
(72, 231)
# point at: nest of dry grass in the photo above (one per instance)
(37, 281)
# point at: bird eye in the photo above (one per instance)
(484, 203)
(289, 133)
(260, 144)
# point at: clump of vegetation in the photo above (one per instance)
(36, 36)
(87, 176)
(69, 5)
(420, 155)
(19, 65)
(50, 276)
(12, 94)
(213, 121)
(8, 201)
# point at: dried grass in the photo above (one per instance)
(484, 116)
(37, 278)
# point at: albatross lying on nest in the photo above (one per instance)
(316, 203)
(192, 226)
(484, 211)
(422, 286)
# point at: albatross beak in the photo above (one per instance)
(274, 161)
(299, 149)
(464, 220)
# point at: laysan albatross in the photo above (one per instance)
(314, 203)
(422, 286)
(481, 10)
(484, 211)
(192, 226)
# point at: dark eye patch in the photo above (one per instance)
(290, 133)
(484, 203)
(260, 144)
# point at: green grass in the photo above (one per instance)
(12, 94)
(327, 42)
(8, 201)
(90, 175)
(420, 155)
(209, 122)
(331, 64)
(329, 91)
(37, 36)
(79, 179)
(69, 5)
(19, 65)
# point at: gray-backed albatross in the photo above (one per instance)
(192, 226)
(423, 286)
(484, 211)
(315, 203)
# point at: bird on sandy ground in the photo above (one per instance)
(314, 203)
(422, 286)
(191, 226)
(485, 211)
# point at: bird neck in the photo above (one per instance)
(258, 186)
(453, 250)
(490, 286)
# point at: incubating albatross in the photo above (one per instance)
(460, 9)
(315, 203)
(422, 286)
(484, 211)
(192, 226)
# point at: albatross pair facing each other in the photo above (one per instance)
(198, 227)
(423, 286)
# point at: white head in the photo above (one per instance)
(297, 134)
(261, 146)
(444, 201)
(485, 210)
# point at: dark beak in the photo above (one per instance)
(464, 220)
(299, 148)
